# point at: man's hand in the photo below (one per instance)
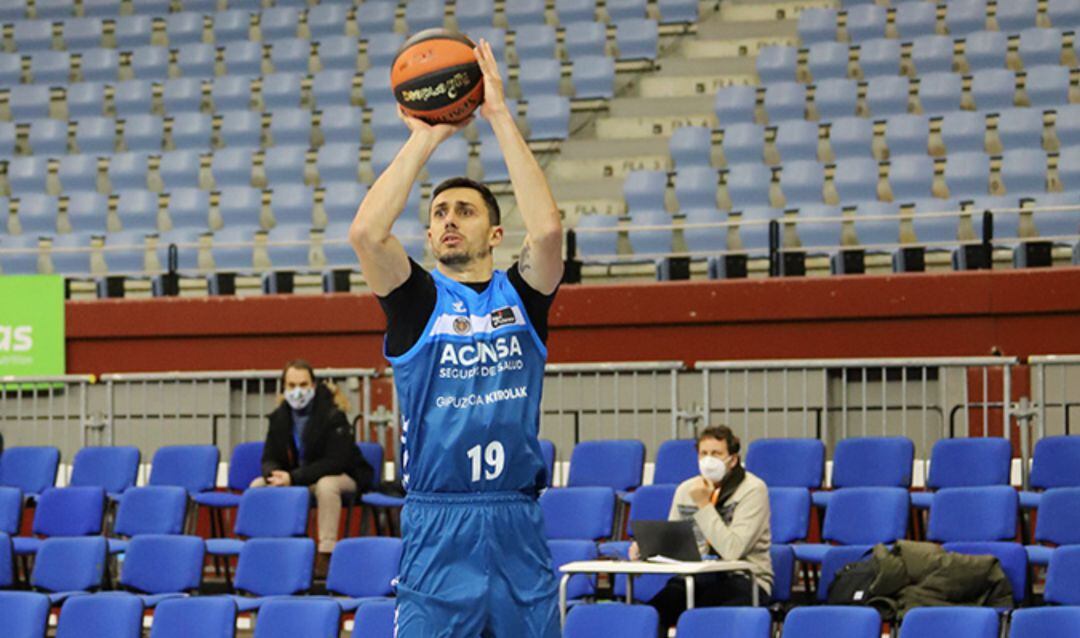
(436, 133)
(701, 493)
(494, 96)
(279, 478)
(635, 551)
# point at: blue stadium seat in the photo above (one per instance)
(617, 464)
(534, 41)
(231, 26)
(290, 127)
(243, 57)
(289, 55)
(376, 87)
(1010, 555)
(183, 28)
(1023, 171)
(619, 10)
(196, 60)
(192, 131)
(783, 563)
(987, 513)
(245, 465)
(748, 185)
(787, 462)
(838, 622)
(582, 513)
(210, 616)
(637, 38)
(1056, 525)
(63, 512)
(836, 98)
(84, 99)
(789, 510)
(241, 129)
(240, 206)
(967, 174)
(932, 54)
(11, 512)
(644, 190)
(28, 102)
(31, 469)
(593, 77)
(332, 88)
(101, 8)
(963, 17)
(151, 509)
(133, 97)
(26, 175)
(1020, 129)
(1068, 167)
(127, 171)
(879, 56)
(231, 92)
(87, 212)
(132, 31)
(179, 169)
(48, 137)
(777, 63)
(856, 180)
(189, 208)
(1047, 622)
(870, 462)
(785, 101)
(705, 240)
(496, 37)
(735, 104)
(596, 242)
(1040, 46)
(915, 19)
(1062, 577)
(567, 551)
(1059, 457)
(826, 60)
(327, 20)
(100, 617)
(650, 244)
(362, 570)
(143, 132)
(112, 468)
(492, 162)
(866, 21)
(940, 92)
(964, 132)
(376, 16)
(993, 89)
(265, 513)
(37, 213)
(386, 124)
(54, 9)
(339, 52)
(954, 622)
(26, 614)
(10, 68)
(966, 463)
(797, 140)
(985, 50)
(802, 182)
(887, 95)
(297, 618)
(817, 24)
(878, 232)
(1047, 86)
(193, 467)
(150, 7)
(280, 23)
(284, 166)
(851, 138)
(691, 146)
(382, 47)
(137, 210)
(7, 138)
(695, 187)
(32, 35)
(382, 153)
(95, 135)
(82, 33)
(548, 117)
(584, 38)
(273, 567)
(338, 162)
(860, 516)
(150, 63)
(1020, 14)
(450, 159)
(631, 621)
(291, 204)
(182, 95)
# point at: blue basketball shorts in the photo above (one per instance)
(475, 564)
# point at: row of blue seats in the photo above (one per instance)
(1045, 87)
(984, 50)
(330, 18)
(914, 19)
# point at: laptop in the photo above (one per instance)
(672, 540)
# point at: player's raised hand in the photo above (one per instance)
(494, 94)
(439, 132)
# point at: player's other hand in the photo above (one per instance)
(494, 96)
(701, 491)
(279, 478)
(438, 133)
(635, 551)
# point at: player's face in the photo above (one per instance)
(297, 378)
(460, 230)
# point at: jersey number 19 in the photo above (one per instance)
(492, 463)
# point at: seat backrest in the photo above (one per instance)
(1011, 556)
(1063, 577)
(866, 515)
(973, 514)
(192, 467)
(873, 461)
(950, 622)
(725, 622)
(159, 564)
(651, 503)
(789, 513)
(1059, 516)
(1046, 622)
(676, 461)
(245, 465)
(298, 618)
(970, 462)
(362, 567)
(583, 513)
(613, 463)
(832, 621)
(112, 468)
(783, 564)
(101, 617)
(787, 462)
(275, 566)
(7, 561)
(153, 509)
(25, 614)
(568, 551)
(206, 617)
(69, 511)
(70, 564)
(278, 512)
(11, 507)
(375, 619)
(615, 619)
(374, 456)
(1056, 462)
(31, 469)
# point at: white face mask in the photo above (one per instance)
(712, 468)
(299, 398)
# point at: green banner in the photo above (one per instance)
(31, 325)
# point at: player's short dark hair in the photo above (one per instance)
(494, 214)
(720, 433)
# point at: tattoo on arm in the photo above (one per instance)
(524, 263)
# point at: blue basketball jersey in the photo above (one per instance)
(469, 392)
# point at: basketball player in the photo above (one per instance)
(467, 345)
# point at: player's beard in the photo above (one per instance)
(458, 257)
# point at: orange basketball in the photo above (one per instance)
(435, 77)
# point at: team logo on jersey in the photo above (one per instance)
(462, 325)
(458, 306)
(502, 317)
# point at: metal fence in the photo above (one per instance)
(1055, 383)
(924, 399)
(46, 410)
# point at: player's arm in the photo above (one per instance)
(540, 263)
(382, 257)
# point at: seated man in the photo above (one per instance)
(730, 510)
(310, 443)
